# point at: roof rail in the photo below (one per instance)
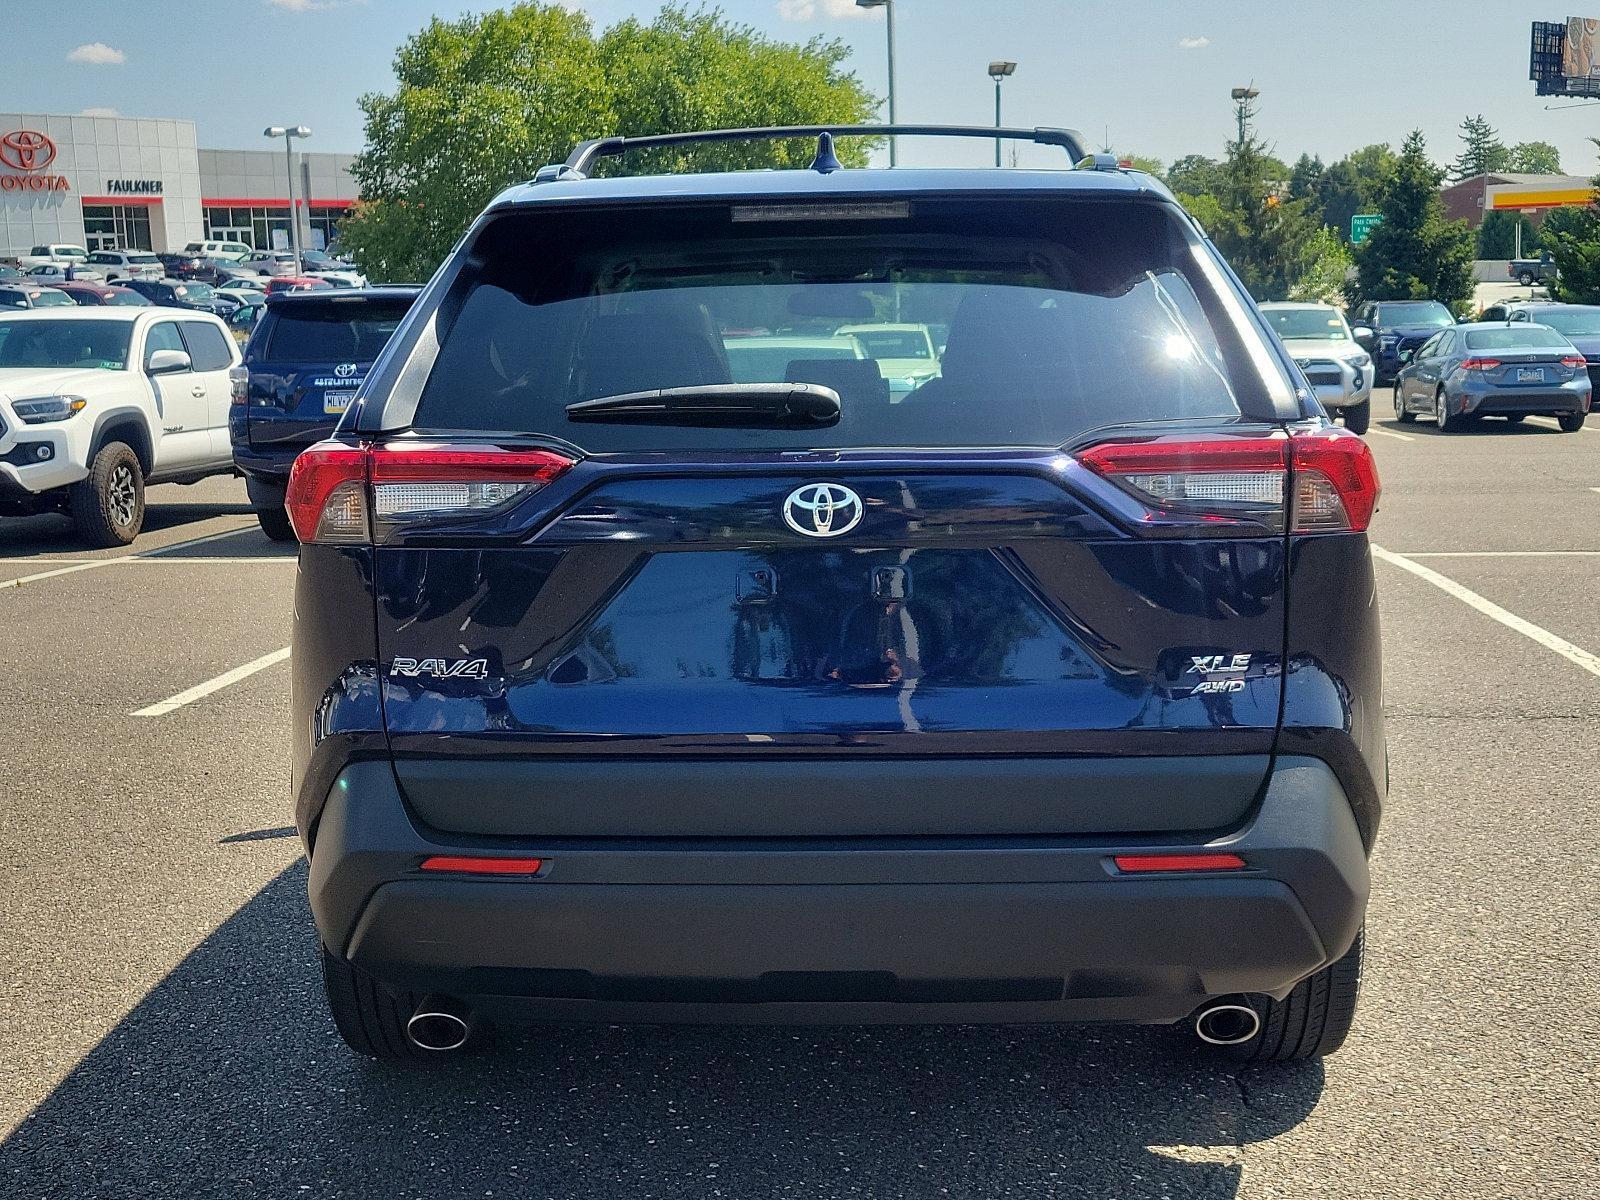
(585, 154)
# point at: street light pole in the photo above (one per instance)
(288, 133)
(888, 12)
(1241, 101)
(997, 72)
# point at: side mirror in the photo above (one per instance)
(1362, 334)
(167, 362)
(1407, 355)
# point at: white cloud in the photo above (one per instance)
(98, 53)
(809, 10)
(299, 5)
(99, 112)
(1194, 43)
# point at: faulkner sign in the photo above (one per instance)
(133, 187)
(29, 152)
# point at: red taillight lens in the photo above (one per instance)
(1575, 361)
(1335, 479)
(1479, 364)
(339, 494)
(467, 865)
(1142, 863)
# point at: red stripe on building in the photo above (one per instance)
(145, 200)
(268, 202)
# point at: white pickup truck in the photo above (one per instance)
(97, 402)
(57, 252)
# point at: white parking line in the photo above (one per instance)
(82, 566)
(1502, 553)
(92, 563)
(201, 690)
(199, 541)
(1401, 437)
(1573, 654)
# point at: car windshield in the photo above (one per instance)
(1308, 324)
(51, 298)
(892, 343)
(196, 291)
(333, 331)
(1415, 312)
(1579, 320)
(1517, 337)
(65, 343)
(132, 299)
(1063, 317)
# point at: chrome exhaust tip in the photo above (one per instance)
(1227, 1023)
(440, 1024)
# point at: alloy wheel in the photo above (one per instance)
(122, 495)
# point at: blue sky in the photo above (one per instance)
(1333, 76)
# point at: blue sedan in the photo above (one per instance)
(1494, 370)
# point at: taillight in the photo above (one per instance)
(338, 493)
(1247, 478)
(1575, 361)
(1479, 364)
(239, 384)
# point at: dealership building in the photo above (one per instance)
(138, 182)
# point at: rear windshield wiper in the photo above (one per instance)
(788, 405)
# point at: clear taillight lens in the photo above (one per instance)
(342, 494)
(1247, 479)
(239, 384)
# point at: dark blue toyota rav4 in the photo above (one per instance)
(1048, 691)
(307, 356)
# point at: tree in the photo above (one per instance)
(1536, 158)
(484, 100)
(1322, 269)
(1352, 185)
(1306, 177)
(1482, 151)
(1497, 236)
(1572, 235)
(1195, 175)
(1415, 253)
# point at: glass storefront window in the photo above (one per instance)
(116, 227)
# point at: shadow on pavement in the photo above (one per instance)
(49, 534)
(228, 1080)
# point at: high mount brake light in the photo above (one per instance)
(339, 493)
(1335, 483)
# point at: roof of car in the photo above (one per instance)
(1469, 326)
(814, 185)
(96, 313)
(345, 295)
(1287, 304)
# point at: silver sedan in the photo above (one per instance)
(1494, 370)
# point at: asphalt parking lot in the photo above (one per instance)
(165, 1033)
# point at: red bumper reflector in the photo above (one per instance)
(482, 866)
(1178, 862)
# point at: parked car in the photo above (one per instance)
(228, 271)
(185, 266)
(905, 354)
(28, 294)
(752, 358)
(295, 283)
(335, 270)
(1400, 325)
(624, 690)
(239, 292)
(126, 264)
(269, 262)
(243, 319)
(53, 273)
(1529, 271)
(8, 273)
(58, 253)
(182, 293)
(234, 251)
(1332, 356)
(307, 357)
(96, 403)
(1482, 370)
(1578, 323)
(95, 295)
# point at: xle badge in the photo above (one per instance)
(1232, 667)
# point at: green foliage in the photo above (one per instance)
(1572, 235)
(484, 100)
(1352, 185)
(1497, 236)
(1416, 253)
(1482, 151)
(1321, 269)
(1195, 175)
(1536, 158)
(1306, 178)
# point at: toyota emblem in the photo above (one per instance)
(345, 370)
(27, 150)
(822, 510)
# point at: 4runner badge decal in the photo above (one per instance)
(441, 668)
(1218, 664)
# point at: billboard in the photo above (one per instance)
(1565, 57)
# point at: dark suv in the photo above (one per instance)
(1400, 325)
(1047, 691)
(307, 356)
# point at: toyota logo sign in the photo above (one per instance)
(27, 150)
(822, 510)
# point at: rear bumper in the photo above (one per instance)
(1570, 398)
(855, 930)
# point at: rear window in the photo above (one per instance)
(1062, 317)
(333, 331)
(1524, 337)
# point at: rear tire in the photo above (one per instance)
(1313, 1020)
(108, 506)
(1358, 416)
(1401, 413)
(275, 524)
(1525, 279)
(1447, 421)
(1571, 422)
(371, 1018)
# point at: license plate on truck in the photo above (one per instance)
(337, 402)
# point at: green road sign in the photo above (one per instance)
(1361, 226)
